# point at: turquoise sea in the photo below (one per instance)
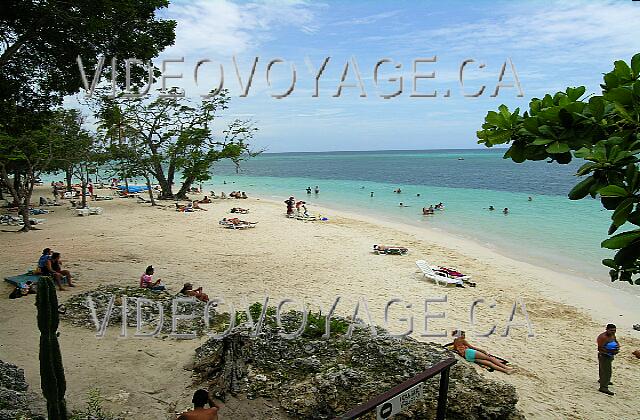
(550, 230)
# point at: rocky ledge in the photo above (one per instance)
(314, 378)
(16, 402)
(78, 312)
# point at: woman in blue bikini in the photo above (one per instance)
(474, 354)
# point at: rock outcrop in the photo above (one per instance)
(15, 400)
(314, 378)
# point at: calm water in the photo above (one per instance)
(550, 230)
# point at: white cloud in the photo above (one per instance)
(222, 28)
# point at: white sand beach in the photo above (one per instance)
(313, 262)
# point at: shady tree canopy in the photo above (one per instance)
(602, 130)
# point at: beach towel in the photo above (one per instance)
(22, 279)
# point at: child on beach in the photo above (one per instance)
(476, 355)
(146, 281)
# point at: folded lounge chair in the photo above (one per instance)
(437, 278)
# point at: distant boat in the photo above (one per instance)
(460, 158)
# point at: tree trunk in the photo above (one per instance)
(16, 187)
(153, 200)
(84, 194)
(184, 189)
(69, 177)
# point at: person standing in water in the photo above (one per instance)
(317, 189)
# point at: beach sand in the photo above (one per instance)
(313, 262)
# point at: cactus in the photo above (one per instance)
(52, 378)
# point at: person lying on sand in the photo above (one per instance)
(476, 355)
(196, 206)
(236, 221)
(389, 248)
(205, 200)
(200, 398)
(239, 210)
(188, 290)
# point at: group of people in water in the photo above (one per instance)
(431, 209)
(316, 190)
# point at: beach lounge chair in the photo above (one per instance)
(453, 274)
(437, 278)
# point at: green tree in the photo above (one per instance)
(40, 41)
(168, 135)
(604, 131)
(75, 150)
(25, 157)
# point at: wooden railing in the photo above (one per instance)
(441, 368)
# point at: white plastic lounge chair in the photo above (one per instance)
(437, 278)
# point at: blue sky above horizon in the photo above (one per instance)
(552, 45)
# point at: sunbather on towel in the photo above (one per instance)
(236, 221)
(188, 290)
(474, 354)
(385, 249)
(146, 280)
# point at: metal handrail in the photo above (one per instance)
(440, 367)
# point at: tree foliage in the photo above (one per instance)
(168, 136)
(604, 131)
(41, 40)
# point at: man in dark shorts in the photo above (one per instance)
(290, 203)
(606, 353)
(200, 398)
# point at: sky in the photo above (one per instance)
(551, 45)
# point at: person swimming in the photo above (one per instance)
(491, 208)
(505, 211)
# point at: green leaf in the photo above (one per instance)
(582, 188)
(620, 95)
(542, 142)
(557, 147)
(596, 106)
(622, 69)
(574, 94)
(635, 65)
(621, 240)
(613, 191)
(609, 262)
(621, 213)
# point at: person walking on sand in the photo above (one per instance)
(200, 398)
(476, 355)
(90, 189)
(608, 347)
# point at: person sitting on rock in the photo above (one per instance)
(200, 398)
(188, 290)
(476, 355)
(146, 281)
